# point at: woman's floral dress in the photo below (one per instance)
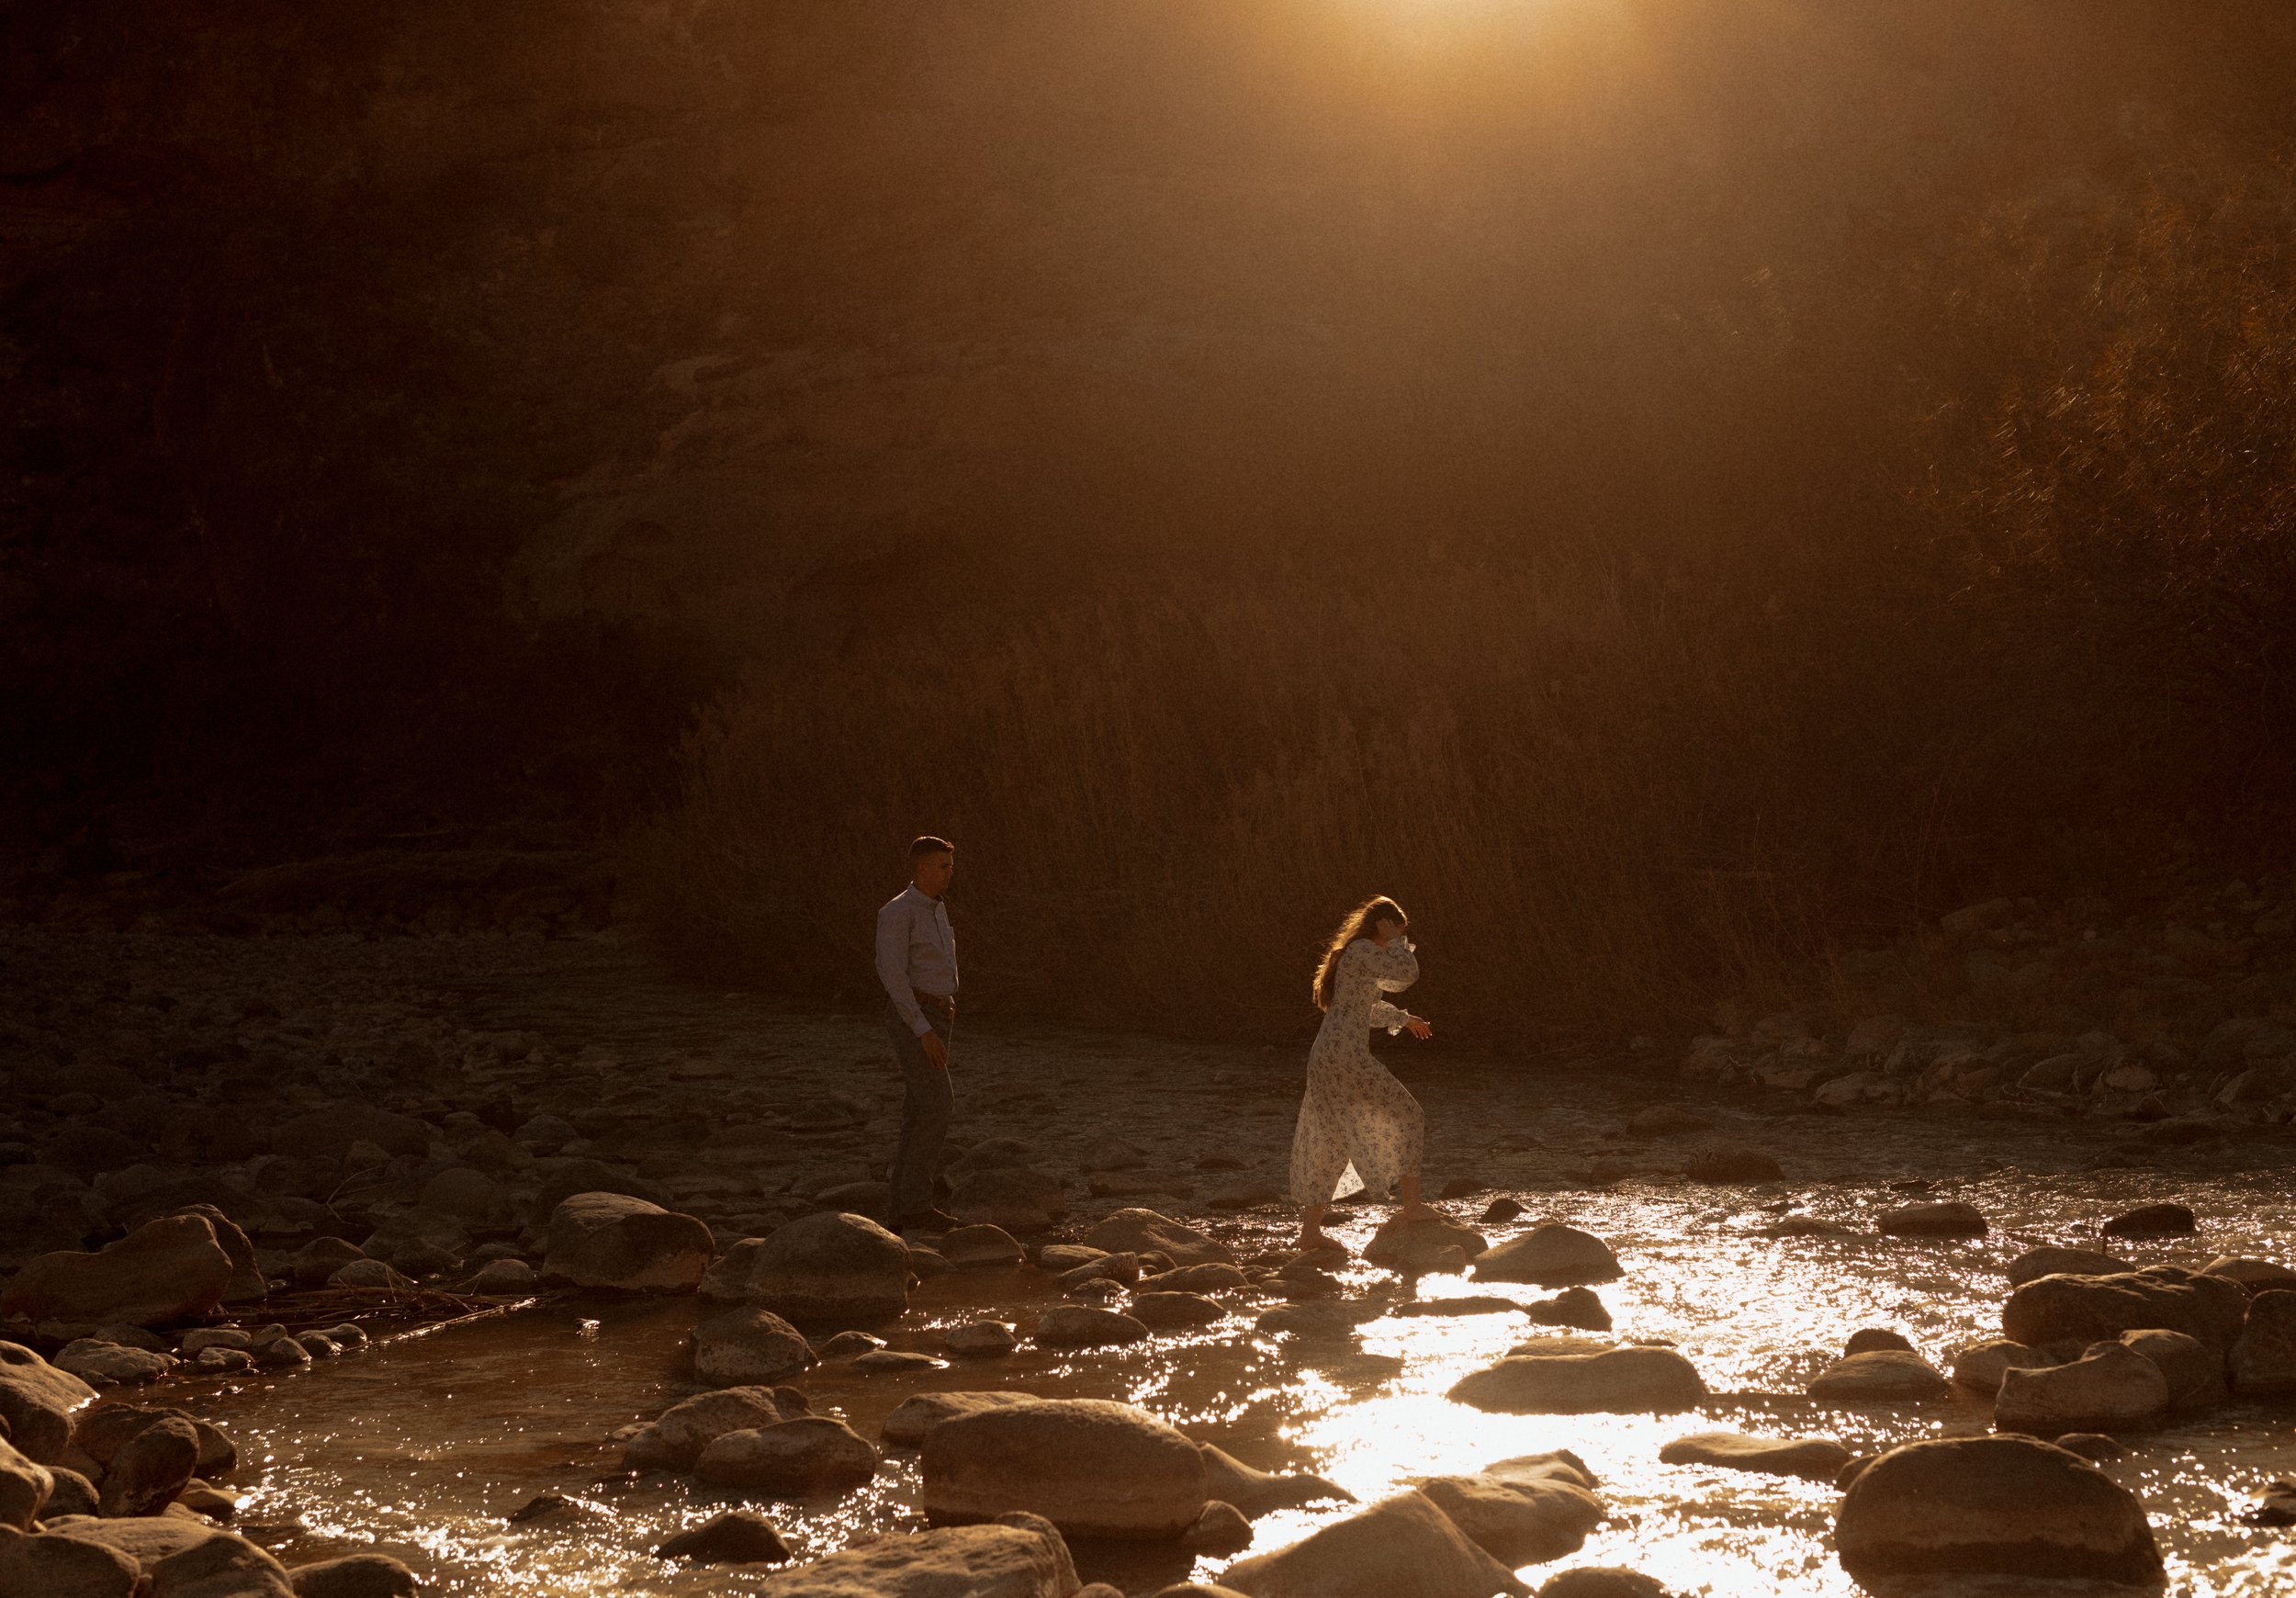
(1359, 1128)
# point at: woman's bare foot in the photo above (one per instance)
(1421, 1212)
(1408, 1191)
(1320, 1242)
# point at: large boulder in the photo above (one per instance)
(47, 1565)
(1021, 1556)
(2194, 1371)
(2256, 1275)
(2050, 1261)
(823, 1270)
(151, 1468)
(36, 1402)
(1820, 1459)
(1981, 1366)
(1881, 1376)
(748, 1346)
(2084, 1310)
(557, 1180)
(1139, 1232)
(1401, 1547)
(1612, 1381)
(916, 1416)
(611, 1240)
(187, 1558)
(1518, 1521)
(1992, 1505)
(793, 1459)
(355, 1576)
(2110, 1388)
(2263, 1363)
(165, 1270)
(1090, 1467)
(674, 1439)
(1552, 1256)
(24, 1486)
(1413, 1246)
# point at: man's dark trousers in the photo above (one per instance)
(926, 1111)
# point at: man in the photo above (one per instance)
(916, 961)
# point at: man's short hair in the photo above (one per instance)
(929, 844)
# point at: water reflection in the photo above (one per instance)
(426, 1446)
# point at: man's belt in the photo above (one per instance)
(944, 1004)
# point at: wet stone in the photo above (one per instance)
(738, 1537)
(1549, 1255)
(2152, 1220)
(1818, 1458)
(1581, 1308)
(885, 1361)
(2035, 1263)
(980, 1339)
(355, 1576)
(1941, 1219)
(1884, 1376)
(1083, 1326)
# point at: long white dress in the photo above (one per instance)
(1359, 1129)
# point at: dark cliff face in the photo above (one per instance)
(443, 397)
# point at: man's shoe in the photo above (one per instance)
(928, 1221)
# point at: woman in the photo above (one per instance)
(1359, 1128)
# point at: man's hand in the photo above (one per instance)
(935, 1049)
(1418, 1029)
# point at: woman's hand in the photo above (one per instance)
(1420, 1028)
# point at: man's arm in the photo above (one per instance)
(893, 965)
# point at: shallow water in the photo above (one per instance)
(424, 1445)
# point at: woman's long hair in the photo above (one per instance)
(1359, 922)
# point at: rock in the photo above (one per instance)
(1992, 1505)
(1498, 1211)
(321, 1257)
(246, 1286)
(1876, 1340)
(69, 1492)
(1230, 1480)
(2152, 1220)
(675, 1438)
(1413, 1246)
(1981, 1366)
(2276, 1505)
(282, 1353)
(559, 1179)
(1602, 1582)
(332, 1131)
(1162, 1311)
(1319, 1319)
(1196, 1278)
(1401, 1547)
(1724, 1160)
(1122, 1269)
(130, 1337)
(2194, 1371)
(1082, 1326)
(24, 1487)
(166, 1270)
(1884, 1376)
(1517, 1522)
(372, 1275)
(2252, 1274)
(1939, 1220)
(747, 1347)
(972, 1247)
(1057, 1258)
(2263, 1362)
(2036, 1263)
(36, 1402)
(980, 1339)
(45, 1565)
(827, 1269)
(1144, 1232)
(878, 1361)
(848, 1345)
(150, 1469)
(794, 1458)
(1551, 1255)
(502, 1278)
(736, 1536)
(212, 1502)
(199, 1339)
(917, 1415)
(1009, 1196)
(1577, 1306)
(2084, 1310)
(1020, 1557)
(1092, 1467)
(111, 1364)
(611, 1240)
(354, 1576)
(1220, 1530)
(2112, 1387)
(1663, 1120)
(1818, 1458)
(1615, 1382)
(102, 1432)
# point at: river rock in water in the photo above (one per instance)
(1603, 1581)
(151, 1468)
(793, 1459)
(1517, 1522)
(1021, 1556)
(1413, 1246)
(1578, 1307)
(1551, 1255)
(1818, 1458)
(611, 1240)
(1992, 1505)
(747, 1347)
(2112, 1387)
(2263, 1363)
(1230, 1480)
(1980, 1366)
(1195, 1278)
(1092, 1467)
(916, 1416)
(1403, 1545)
(2194, 1371)
(1220, 1530)
(111, 1364)
(355, 1576)
(1614, 1381)
(675, 1438)
(165, 1270)
(1884, 1376)
(823, 1270)
(736, 1536)
(1947, 1218)
(2036, 1263)
(2086, 1310)
(1161, 1312)
(980, 1339)
(48, 1565)
(1142, 1232)
(1083, 1326)
(37, 1401)
(2153, 1221)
